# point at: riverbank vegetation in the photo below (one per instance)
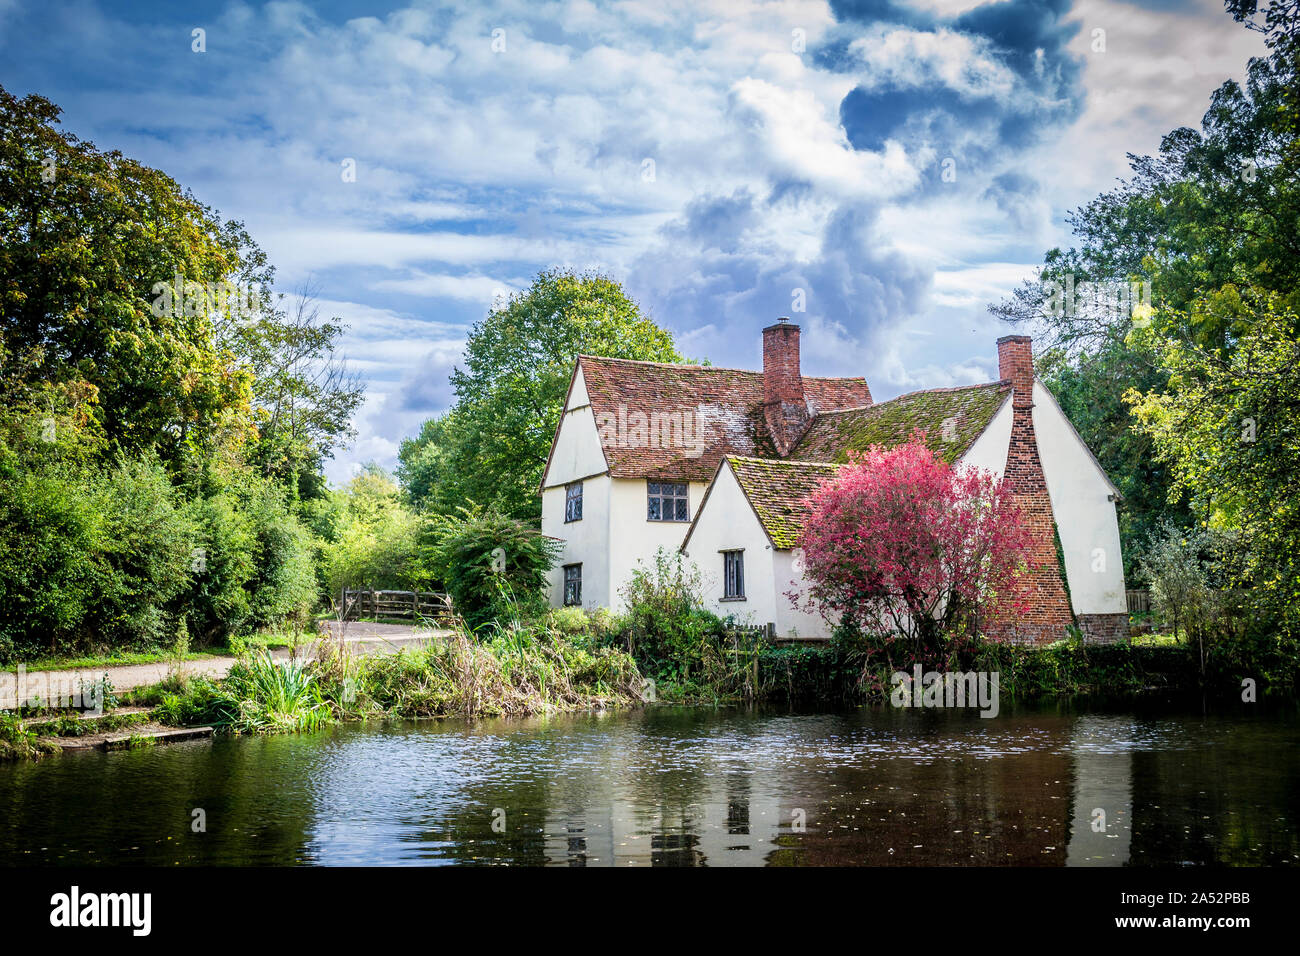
(519, 669)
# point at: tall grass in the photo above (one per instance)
(17, 742)
(512, 670)
(260, 695)
(516, 668)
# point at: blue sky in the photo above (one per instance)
(714, 157)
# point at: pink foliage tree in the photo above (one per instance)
(904, 546)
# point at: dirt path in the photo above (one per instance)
(364, 639)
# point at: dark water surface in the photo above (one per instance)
(688, 787)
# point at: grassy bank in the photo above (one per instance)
(516, 670)
(19, 743)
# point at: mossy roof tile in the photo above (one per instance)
(952, 418)
(779, 490)
(725, 405)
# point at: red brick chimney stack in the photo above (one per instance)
(1016, 365)
(782, 382)
(1049, 612)
(783, 400)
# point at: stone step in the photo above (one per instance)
(123, 741)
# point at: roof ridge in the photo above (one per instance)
(717, 368)
(691, 365)
(919, 391)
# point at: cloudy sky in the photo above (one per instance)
(902, 164)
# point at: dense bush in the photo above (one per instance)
(89, 557)
(48, 576)
(143, 551)
(841, 671)
(216, 600)
(690, 652)
(494, 567)
(283, 584)
(118, 557)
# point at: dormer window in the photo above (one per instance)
(667, 501)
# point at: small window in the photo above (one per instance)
(733, 575)
(667, 502)
(573, 502)
(572, 585)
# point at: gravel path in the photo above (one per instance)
(364, 639)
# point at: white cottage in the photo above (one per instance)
(719, 462)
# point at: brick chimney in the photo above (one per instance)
(783, 401)
(1049, 611)
(1016, 365)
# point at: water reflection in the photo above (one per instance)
(1101, 828)
(674, 787)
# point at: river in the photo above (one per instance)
(1042, 786)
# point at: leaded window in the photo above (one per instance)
(667, 501)
(733, 574)
(572, 585)
(573, 502)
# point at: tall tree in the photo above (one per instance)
(304, 394)
(1214, 208)
(1228, 428)
(91, 247)
(493, 446)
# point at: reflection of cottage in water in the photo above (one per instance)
(1101, 827)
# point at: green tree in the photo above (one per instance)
(304, 395)
(1214, 208)
(373, 538)
(1228, 426)
(91, 244)
(427, 464)
(493, 446)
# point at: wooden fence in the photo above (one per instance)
(1139, 602)
(765, 631)
(413, 604)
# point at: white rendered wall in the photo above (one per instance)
(585, 542)
(989, 450)
(577, 456)
(577, 453)
(633, 537)
(729, 524)
(1085, 517)
(792, 620)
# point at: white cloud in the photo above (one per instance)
(475, 168)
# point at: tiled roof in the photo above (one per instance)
(676, 422)
(952, 418)
(779, 491)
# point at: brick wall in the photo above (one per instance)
(1104, 628)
